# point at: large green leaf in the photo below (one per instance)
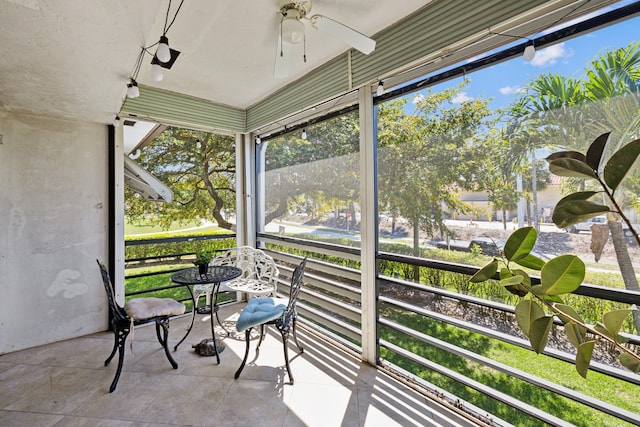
(630, 362)
(576, 155)
(572, 167)
(485, 273)
(567, 310)
(527, 311)
(583, 357)
(594, 153)
(568, 212)
(513, 280)
(614, 319)
(562, 275)
(575, 333)
(620, 164)
(539, 333)
(530, 261)
(520, 243)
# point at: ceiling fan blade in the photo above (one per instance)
(283, 59)
(346, 34)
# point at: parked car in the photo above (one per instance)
(586, 225)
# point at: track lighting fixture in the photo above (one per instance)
(380, 89)
(132, 89)
(304, 134)
(529, 51)
(163, 53)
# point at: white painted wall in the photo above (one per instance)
(53, 226)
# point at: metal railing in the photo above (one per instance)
(330, 302)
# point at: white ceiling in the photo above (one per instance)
(73, 58)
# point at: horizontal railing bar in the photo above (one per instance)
(347, 252)
(333, 305)
(611, 294)
(317, 265)
(329, 335)
(517, 373)
(595, 366)
(177, 239)
(320, 317)
(498, 395)
(153, 273)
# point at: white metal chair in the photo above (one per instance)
(259, 273)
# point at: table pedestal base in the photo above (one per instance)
(206, 347)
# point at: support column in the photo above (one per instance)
(116, 148)
(368, 226)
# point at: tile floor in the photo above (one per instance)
(67, 384)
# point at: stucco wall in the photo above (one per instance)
(53, 226)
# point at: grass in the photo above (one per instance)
(598, 386)
(150, 228)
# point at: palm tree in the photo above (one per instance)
(574, 112)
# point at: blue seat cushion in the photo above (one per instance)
(258, 311)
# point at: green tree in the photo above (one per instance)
(321, 171)
(425, 158)
(199, 167)
(576, 111)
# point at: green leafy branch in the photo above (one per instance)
(558, 276)
(577, 207)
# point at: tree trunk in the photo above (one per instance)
(625, 264)
(416, 249)
(504, 219)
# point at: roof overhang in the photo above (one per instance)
(145, 184)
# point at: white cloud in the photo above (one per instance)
(460, 98)
(550, 55)
(418, 98)
(510, 90)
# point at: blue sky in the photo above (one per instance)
(503, 82)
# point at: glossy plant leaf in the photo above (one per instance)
(539, 333)
(527, 311)
(519, 287)
(513, 280)
(567, 310)
(630, 362)
(603, 330)
(562, 275)
(530, 261)
(614, 319)
(520, 243)
(620, 164)
(572, 211)
(594, 153)
(583, 357)
(575, 333)
(485, 273)
(575, 155)
(572, 167)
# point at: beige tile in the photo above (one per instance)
(66, 384)
(21, 419)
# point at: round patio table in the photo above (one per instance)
(215, 275)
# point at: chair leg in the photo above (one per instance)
(247, 336)
(295, 337)
(121, 333)
(164, 339)
(115, 345)
(285, 344)
(262, 331)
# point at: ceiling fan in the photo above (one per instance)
(292, 31)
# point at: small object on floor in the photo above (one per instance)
(207, 348)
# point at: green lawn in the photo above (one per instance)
(601, 387)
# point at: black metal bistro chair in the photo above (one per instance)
(264, 311)
(135, 312)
